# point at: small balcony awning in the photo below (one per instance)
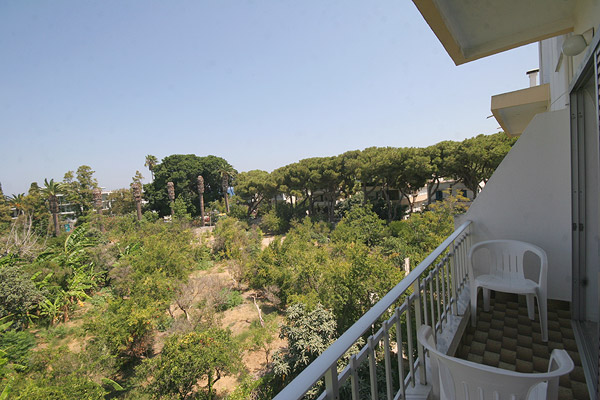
(515, 110)
(470, 29)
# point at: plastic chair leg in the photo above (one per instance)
(531, 306)
(474, 290)
(486, 300)
(543, 305)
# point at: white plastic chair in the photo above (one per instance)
(504, 272)
(456, 379)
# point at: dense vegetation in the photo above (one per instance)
(127, 306)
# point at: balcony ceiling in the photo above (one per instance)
(515, 110)
(472, 29)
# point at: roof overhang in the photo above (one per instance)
(472, 29)
(515, 110)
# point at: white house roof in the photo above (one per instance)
(472, 29)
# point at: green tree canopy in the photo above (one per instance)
(254, 187)
(183, 171)
(309, 333)
(187, 358)
(440, 161)
(476, 159)
(80, 191)
(151, 162)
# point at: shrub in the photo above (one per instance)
(234, 240)
(18, 295)
(360, 224)
(17, 346)
(73, 386)
(208, 354)
(151, 216)
(309, 333)
(230, 298)
(271, 222)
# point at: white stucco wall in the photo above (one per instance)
(556, 71)
(528, 197)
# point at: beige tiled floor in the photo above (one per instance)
(505, 337)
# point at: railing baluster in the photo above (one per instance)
(432, 306)
(438, 298)
(354, 377)
(372, 369)
(331, 383)
(453, 268)
(411, 363)
(400, 352)
(388, 360)
(443, 279)
(424, 297)
(418, 323)
(460, 263)
(469, 244)
(449, 286)
(464, 260)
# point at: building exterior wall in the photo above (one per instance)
(528, 198)
(556, 70)
(587, 15)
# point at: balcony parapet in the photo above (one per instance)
(515, 110)
(427, 295)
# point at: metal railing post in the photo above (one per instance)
(332, 387)
(400, 345)
(418, 323)
(388, 360)
(372, 369)
(454, 278)
(354, 378)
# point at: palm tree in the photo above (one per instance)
(201, 196)
(171, 192)
(52, 189)
(226, 173)
(137, 195)
(17, 201)
(151, 162)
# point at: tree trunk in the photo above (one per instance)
(202, 209)
(331, 208)
(410, 204)
(54, 209)
(432, 188)
(210, 385)
(388, 203)
(260, 318)
(56, 226)
(138, 206)
(311, 205)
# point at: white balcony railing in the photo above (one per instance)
(427, 295)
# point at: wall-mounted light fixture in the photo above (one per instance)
(575, 44)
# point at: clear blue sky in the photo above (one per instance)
(259, 83)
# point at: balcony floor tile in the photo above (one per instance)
(505, 337)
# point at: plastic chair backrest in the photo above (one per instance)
(506, 259)
(461, 379)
